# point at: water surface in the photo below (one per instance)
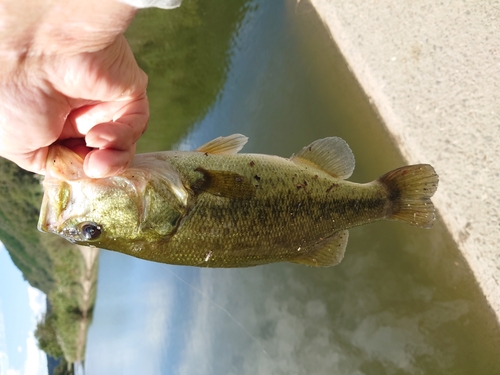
(401, 302)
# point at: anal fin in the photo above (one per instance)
(326, 253)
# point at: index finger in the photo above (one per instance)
(114, 141)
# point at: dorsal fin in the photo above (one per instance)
(331, 155)
(224, 145)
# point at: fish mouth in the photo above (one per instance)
(45, 220)
(43, 225)
(55, 198)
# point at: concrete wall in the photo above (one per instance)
(432, 70)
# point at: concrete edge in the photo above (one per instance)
(432, 71)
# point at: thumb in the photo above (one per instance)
(109, 90)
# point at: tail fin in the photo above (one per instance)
(410, 189)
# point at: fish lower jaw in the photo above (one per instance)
(69, 234)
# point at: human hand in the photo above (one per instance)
(75, 82)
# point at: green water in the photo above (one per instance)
(403, 300)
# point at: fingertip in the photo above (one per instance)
(107, 162)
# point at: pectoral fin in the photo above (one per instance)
(229, 145)
(326, 253)
(224, 184)
(331, 155)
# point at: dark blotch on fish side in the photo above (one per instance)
(331, 187)
(224, 184)
(302, 185)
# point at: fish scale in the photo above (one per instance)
(215, 207)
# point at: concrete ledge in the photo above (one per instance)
(432, 70)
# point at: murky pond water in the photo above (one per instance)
(402, 301)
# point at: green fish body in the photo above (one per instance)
(215, 207)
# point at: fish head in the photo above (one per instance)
(117, 213)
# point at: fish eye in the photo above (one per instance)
(90, 231)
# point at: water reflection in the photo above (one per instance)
(65, 273)
(278, 319)
(176, 49)
(185, 53)
(401, 302)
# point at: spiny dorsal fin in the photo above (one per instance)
(224, 184)
(326, 253)
(331, 155)
(224, 145)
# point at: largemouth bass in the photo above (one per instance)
(215, 207)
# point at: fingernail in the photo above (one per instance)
(96, 141)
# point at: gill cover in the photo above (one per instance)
(80, 209)
(62, 165)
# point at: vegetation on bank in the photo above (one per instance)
(20, 197)
(71, 304)
(186, 54)
(48, 263)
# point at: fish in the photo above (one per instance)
(217, 207)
